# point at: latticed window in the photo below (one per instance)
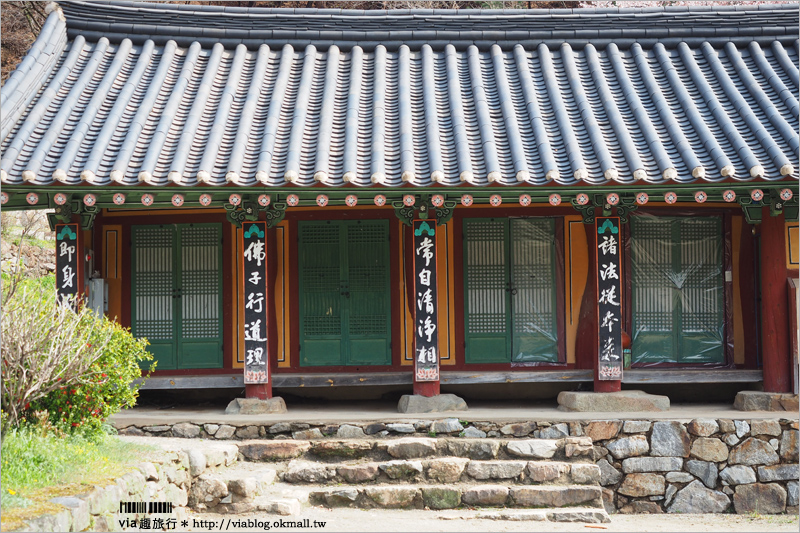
(509, 286)
(677, 297)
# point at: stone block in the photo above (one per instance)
(695, 498)
(132, 431)
(669, 439)
(738, 475)
(709, 449)
(679, 477)
(211, 428)
(608, 501)
(640, 484)
(186, 430)
(411, 448)
(742, 428)
(247, 432)
(273, 450)
(256, 406)
(441, 497)
(280, 427)
(393, 497)
(358, 473)
(585, 474)
(402, 469)
(533, 448)
(628, 447)
(283, 507)
(778, 473)
(761, 498)
(522, 429)
(765, 401)
(577, 446)
(308, 472)
(703, 427)
(307, 434)
(547, 471)
(224, 432)
(208, 489)
(495, 469)
(149, 470)
(555, 496)
(485, 495)
(789, 445)
(753, 452)
(345, 449)
(347, 431)
(669, 494)
(731, 439)
(415, 403)
(401, 428)
(78, 511)
(448, 425)
(765, 427)
(651, 464)
(341, 498)
(640, 507)
(372, 429)
(447, 470)
(704, 471)
(792, 494)
(636, 426)
(474, 433)
(608, 474)
(603, 429)
(611, 402)
(556, 431)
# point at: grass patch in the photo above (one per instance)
(38, 466)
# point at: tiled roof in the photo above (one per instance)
(131, 92)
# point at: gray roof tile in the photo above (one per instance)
(501, 104)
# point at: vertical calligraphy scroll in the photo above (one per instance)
(67, 263)
(254, 279)
(609, 290)
(426, 336)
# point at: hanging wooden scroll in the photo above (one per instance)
(67, 263)
(426, 336)
(254, 261)
(609, 291)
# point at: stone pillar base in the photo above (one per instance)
(415, 403)
(750, 400)
(254, 406)
(610, 402)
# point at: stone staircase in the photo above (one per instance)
(520, 479)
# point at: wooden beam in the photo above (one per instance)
(459, 377)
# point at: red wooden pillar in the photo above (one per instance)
(262, 391)
(610, 254)
(774, 304)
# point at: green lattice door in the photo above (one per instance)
(177, 293)
(344, 293)
(509, 287)
(677, 286)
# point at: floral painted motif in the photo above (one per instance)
(60, 198)
(409, 200)
(642, 198)
(786, 194)
(32, 198)
(118, 198)
(670, 197)
(292, 200)
(3, 197)
(177, 200)
(729, 196)
(437, 200)
(582, 199)
(351, 200)
(700, 197)
(90, 199)
(757, 195)
(322, 200)
(147, 199)
(235, 199)
(466, 200)
(524, 200)
(555, 199)
(264, 200)
(205, 200)
(380, 200)
(612, 198)
(495, 200)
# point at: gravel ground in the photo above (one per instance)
(358, 520)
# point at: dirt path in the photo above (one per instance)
(359, 520)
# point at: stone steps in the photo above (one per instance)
(440, 470)
(570, 449)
